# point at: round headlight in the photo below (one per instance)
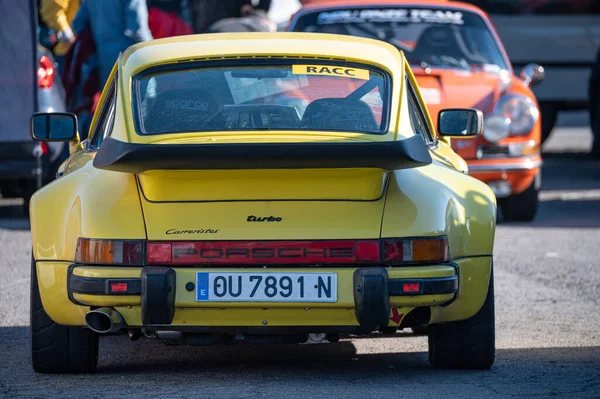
(496, 127)
(521, 111)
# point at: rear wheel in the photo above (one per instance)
(467, 344)
(56, 348)
(521, 207)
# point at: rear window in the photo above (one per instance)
(429, 37)
(286, 95)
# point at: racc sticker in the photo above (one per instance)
(331, 70)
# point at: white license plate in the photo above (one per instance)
(266, 287)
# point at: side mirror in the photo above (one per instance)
(532, 74)
(460, 122)
(54, 126)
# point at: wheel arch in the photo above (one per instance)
(86, 203)
(437, 200)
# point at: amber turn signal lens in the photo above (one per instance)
(407, 250)
(109, 252)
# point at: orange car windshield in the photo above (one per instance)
(434, 37)
(266, 94)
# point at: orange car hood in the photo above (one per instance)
(461, 89)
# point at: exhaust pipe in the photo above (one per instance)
(104, 320)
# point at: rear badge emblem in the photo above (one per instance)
(253, 218)
(200, 231)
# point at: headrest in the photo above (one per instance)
(180, 110)
(340, 114)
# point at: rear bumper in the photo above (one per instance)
(368, 297)
(506, 176)
(100, 286)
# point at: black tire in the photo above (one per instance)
(549, 113)
(467, 344)
(521, 207)
(58, 349)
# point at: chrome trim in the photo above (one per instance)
(526, 164)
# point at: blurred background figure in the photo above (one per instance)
(206, 12)
(168, 18)
(115, 25)
(58, 15)
(103, 29)
(232, 16)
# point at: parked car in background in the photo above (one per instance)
(25, 165)
(459, 61)
(562, 35)
(262, 188)
(30, 83)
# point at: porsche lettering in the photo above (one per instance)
(262, 253)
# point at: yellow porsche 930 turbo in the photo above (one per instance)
(261, 188)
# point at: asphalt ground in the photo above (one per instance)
(547, 298)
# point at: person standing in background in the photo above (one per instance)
(58, 16)
(115, 25)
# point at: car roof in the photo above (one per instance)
(231, 46)
(294, 44)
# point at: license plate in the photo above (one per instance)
(266, 287)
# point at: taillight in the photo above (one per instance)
(44, 148)
(263, 252)
(388, 251)
(408, 250)
(109, 252)
(45, 72)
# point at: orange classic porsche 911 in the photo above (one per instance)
(459, 62)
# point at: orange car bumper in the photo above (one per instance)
(506, 176)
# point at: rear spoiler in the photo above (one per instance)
(119, 156)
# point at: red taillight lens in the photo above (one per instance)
(109, 252)
(45, 72)
(159, 253)
(415, 250)
(263, 252)
(44, 148)
(411, 287)
(118, 287)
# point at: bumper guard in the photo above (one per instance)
(371, 286)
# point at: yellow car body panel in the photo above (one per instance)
(438, 199)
